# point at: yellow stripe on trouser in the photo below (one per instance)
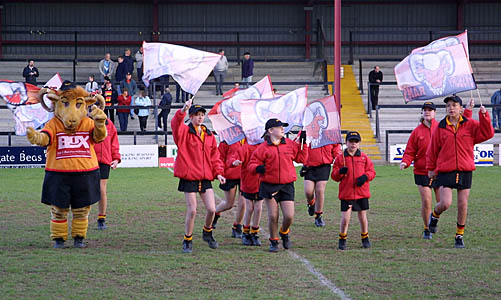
(59, 222)
(80, 221)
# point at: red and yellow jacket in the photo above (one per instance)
(197, 156)
(109, 149)
(359, 164)
(249, 182)
(451, 149)
(278, 160)
(225, 151)
(70, 152)
(323, 155)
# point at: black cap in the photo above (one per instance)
(455, 99)
(128, 73)
(196, 108)
(273, 123)
(246, 53)
(67, 85)
(353, 135)
(430, 105)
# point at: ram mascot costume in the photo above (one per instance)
(72, 171)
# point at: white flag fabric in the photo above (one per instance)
(187, 66)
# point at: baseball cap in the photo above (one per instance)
(128, 73)
(273, 123)
(67, 85)
(353, 135)
(430, 105)
(196, 108)
(454, 98)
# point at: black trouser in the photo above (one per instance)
(111, 115)
(142, 122)
(374, 95)
(164, 114)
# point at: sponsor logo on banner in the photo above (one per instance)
(168, 162)
(484, 154)
(397, 153)
(22, 157)
(139, 156)
(71, 146)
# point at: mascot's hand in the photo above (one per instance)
(98, 116)
(37, 138)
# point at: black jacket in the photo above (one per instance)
(373, 76)
(121, 71)
(32, 79)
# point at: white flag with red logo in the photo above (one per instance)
(447, 41)
(226, 114)
(288, 108)
(436, 72)
(321, 122)
(187, 66)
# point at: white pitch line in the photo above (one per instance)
(323, 280)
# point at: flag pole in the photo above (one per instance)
(337, 54)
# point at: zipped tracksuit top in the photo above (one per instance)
(358, 165)
(452, 150)
(278, 160)
(249, 180)
(323, 155)
(225, 151)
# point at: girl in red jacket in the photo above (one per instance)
(197, 164)
(232, 175)
(250, 191)
(316, 174)
(273, 160)
(449, 159)
(108, 156)
(353, 169)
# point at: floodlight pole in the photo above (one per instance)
(337, 54)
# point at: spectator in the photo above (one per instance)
(110, 98)
(91, 86)
(496, 111)
(247, 69)
(121, 70)
(142, 100)
(31, 73)
(106, 67)
(131, 86)
(129, 61)
(164, 114)
(139, 64)
(180, 94)
(220, 71)
(375, 76)
(123, 113)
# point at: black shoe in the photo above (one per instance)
(427, 234)
(319, 222)
(459, 243)
(342, 244)
(59, 243)
(247, 240)
(214, 222)
(433, 223)
(207, 236)
(255, 239)
(187, 246)
(273, 246)
(101, 224)
(286, 242)
(311, 209)
(366, 243)
(132, 118)
(78, 242)
(236, 231)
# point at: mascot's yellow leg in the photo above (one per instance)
(80, 221)
(59, 222)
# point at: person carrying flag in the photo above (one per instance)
(273, 160)
(450, 160)
(316, 173)
(197, 164)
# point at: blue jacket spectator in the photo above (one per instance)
(121, 70)
(247, 66)
(496, 111)
(31, 73)
(129, 61)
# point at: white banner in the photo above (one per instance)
(139, 156)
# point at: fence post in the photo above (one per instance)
(369, 99)
(431, 35)
(360, 81)
(75, 59)
(134, 137)
(238, 48)
(350, 62)
(378, 137)
(387, 143)
(155, 109)
(10, 139)
(326, 86)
